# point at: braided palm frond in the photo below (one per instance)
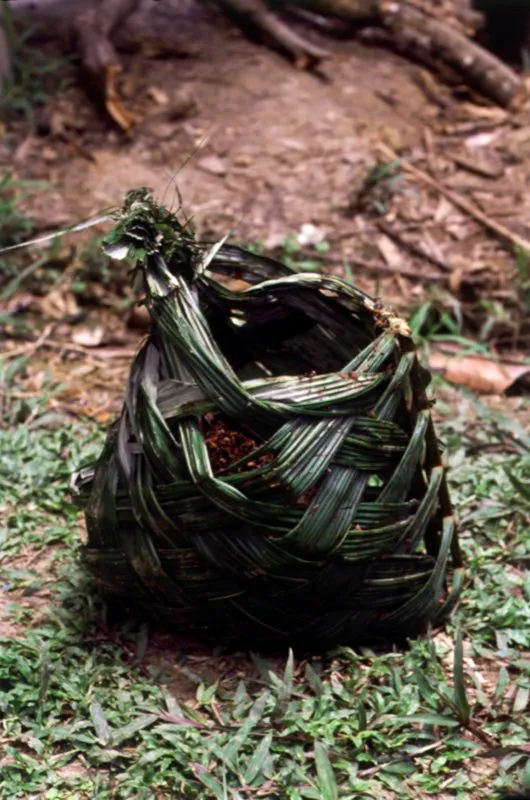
(274, 474)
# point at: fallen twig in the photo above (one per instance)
(257, 15)
(101, 353)
(483, 170)
(379, 267)
(460, 202)
(413, 248)
(31, 348)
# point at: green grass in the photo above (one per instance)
(34, 78)
(15, 227)
(88, 711)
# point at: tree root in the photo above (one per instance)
(93, 29)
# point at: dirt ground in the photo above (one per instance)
(259, 148)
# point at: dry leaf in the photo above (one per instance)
(242, 160)
(59, 305)
(431, 247)
(88, 337)
(49, 154)
(237, 285)
(481, 139)
(212, 164)
(158, 95)
(113, 104)
(487, 166)
(390, 252)
(455, 280)
(58, 123)
(443, 210)
(139, 318)
(492, 113)
(24, 149)
(182, 103)
(481, 374)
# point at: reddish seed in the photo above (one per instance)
(227, 443)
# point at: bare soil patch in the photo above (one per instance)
(259, 148)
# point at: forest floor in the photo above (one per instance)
(373, 170)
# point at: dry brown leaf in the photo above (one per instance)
(481, 163)
(390, 252)
(58, 305)
(58, 123)
(455, 281)
(213, 164)
(159, 96)
(234, 284)
(432, 248)
(88, 337)
(444, 209)
(182, 103)
(481, 374)
(113, 104)
(493, 113)
(482, 139)
(99, 415)
(139, 318)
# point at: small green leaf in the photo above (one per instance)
(259, 760)
(460, 696)
(502, 683)
(142, 641)
(314, 680)
(400, 768)
(326, 777)
(241, 734)
(100, 723)
(431, 719)
(521, 699)
(119, 735)
(206, 696)
(44, 675)
(207, 780)
(285, 689)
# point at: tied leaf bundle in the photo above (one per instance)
(274, 475)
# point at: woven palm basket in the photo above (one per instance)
(274, 475)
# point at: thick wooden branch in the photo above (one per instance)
(415, 30)
(255, 14)
(361, 12)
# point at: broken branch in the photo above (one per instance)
(413, 28)
(460, 202)
(254, 14)
(427, 35)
